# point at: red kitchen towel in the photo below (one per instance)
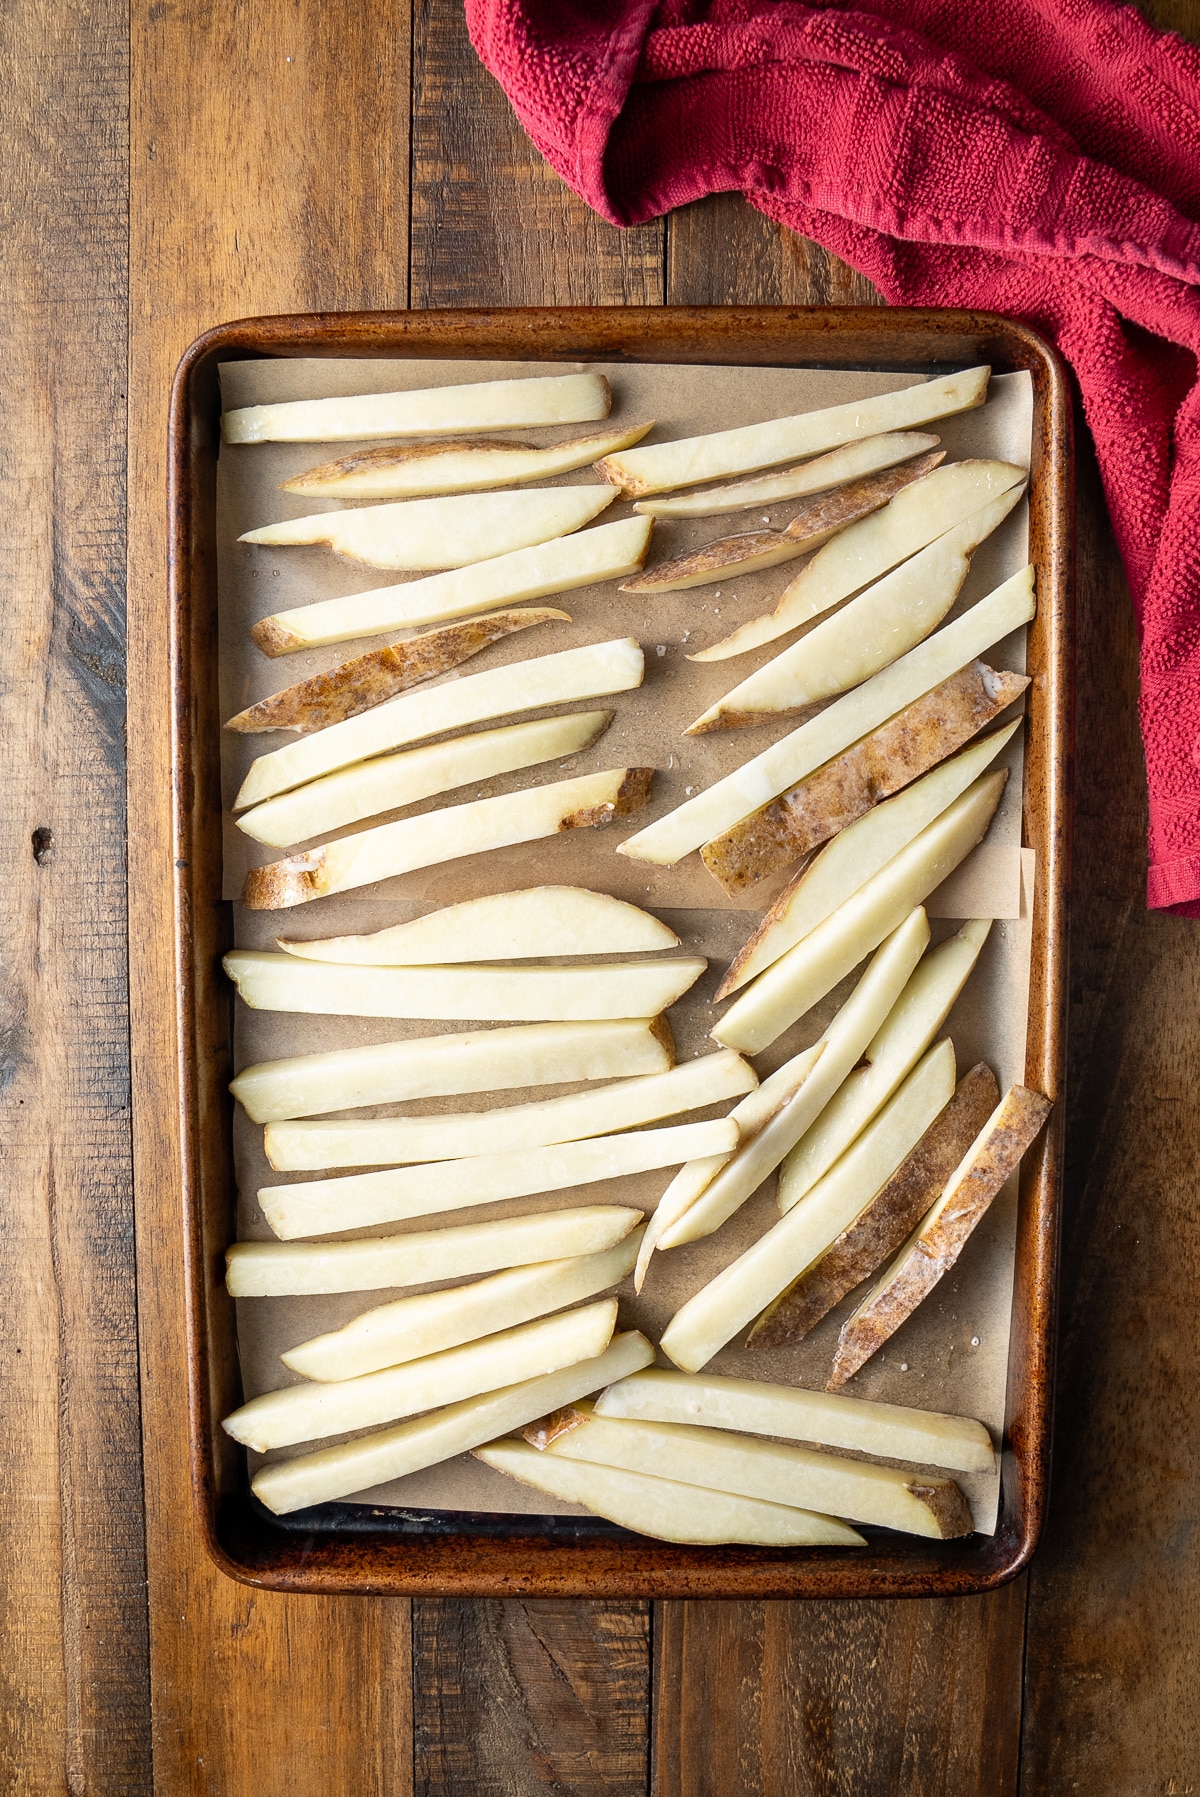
(1039, 158)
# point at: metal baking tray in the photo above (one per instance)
(358, 1549)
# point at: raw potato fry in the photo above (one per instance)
(353, 686)
(850, 463)
(305, 1269)
(992, 1157)
(507, 926)
(855, 856)
(427, 411)
(715, 1314)
(664, 1509)
(417, 470)
(751, 1115)
(409, 1328)
(269, 982)
(813, 525)
(757, 782)
(919, 1504)
(448, 834)
(794, 983)
(564, 563)
(584, 673)
(887, 1221)
(867, 635)
(389, 1141)
(924, 734)
(321, 1206)
(368, 788)
(690, 460)
(911, 1025)
(288, 1485)
(442, 533)
(309, 1412)
(888, 1431)
(920, 514)
(531, 1054)
(841, 1045)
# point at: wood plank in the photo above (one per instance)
(800, 1700)
(492, 224)
(847, 1696)
(517, 1698)
(236, 208)
(73, 1677)
(721, 252)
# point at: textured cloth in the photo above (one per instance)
(1039, 158)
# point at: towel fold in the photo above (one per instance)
(1039, 158)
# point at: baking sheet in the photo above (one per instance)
(952, 1354)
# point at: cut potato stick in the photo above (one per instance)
(842, 1045)
(442, 533)
(855, 856)
(288, 1485)
(419, 470)
(359, 1200)
(885, 1224)
(752, 1114)
(881, 624)
(690, 460)
(585, 673)
(887, 1431)
(505, 926)
(850, 463)
(910, 1027)
(305, 1269)
(389, 1141)
(531, 1054)
(585, 559)
(308, 1412)
(447, 834)
(353, 686)
(663, 1508)
(992, 1157)
(715, 1314)
(813, 525)
(409, 1328)
(367, 788)
(794, 983)
(427, 411)
(270, 982)
(845, 789)
(919, 1504)
(757, 782)
(864, 552)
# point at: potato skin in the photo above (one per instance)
(895, 755)
(888, 1219)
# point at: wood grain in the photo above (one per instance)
(252, 1692)
(721, 252)
(492, 224)
(521, 1698)
(73, 1687)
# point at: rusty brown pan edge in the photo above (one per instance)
(267, 1557)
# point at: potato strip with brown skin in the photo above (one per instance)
(352, 686)
(814, 524)
(888, 1219)
(995, 1153)
(908, 745)
(458, 464)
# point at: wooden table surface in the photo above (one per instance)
(198, 160)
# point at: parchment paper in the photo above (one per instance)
(952, 1355)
